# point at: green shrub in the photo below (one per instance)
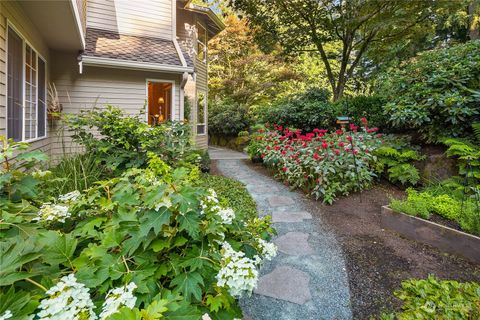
(433, 298)
(124, 141)
(305, 111)
(150, 229)
(436, 93)
(369, 107)
(227, 118)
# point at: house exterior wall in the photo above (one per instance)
(12, 12)
(126, 89)
(186, 20)
(152, 18)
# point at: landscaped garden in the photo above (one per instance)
(361, 120)
(129, 229)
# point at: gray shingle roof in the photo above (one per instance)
(109, 44)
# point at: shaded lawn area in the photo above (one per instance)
(377, 259)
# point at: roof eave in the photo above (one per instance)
(133, 65)
(209, 13)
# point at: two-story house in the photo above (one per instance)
(133, 54)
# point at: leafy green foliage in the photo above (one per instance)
(446, 200)
(145, 225)
(394, 159)
(358, 107)
(232, 194)
(227, 118)
(123, 141)
(435, 93)
(434, 298)
(305, 111)
(75, 172)
(468, 155)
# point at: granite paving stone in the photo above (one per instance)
(294, 244)
(285, 283)
(279, 201)
(290, 216)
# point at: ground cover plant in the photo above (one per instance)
(144, 243)
(449, 199)
(433, 298)
(324, 164)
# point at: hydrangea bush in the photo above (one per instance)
(147, 244)
(324, 164)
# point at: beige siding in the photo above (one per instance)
(99, 87)
(11, 11)
(140, 17)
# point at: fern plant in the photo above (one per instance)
(393, 161)
(467, 153)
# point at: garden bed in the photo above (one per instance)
(444, 238)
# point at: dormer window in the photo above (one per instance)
(201, 42)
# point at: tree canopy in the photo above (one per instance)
(354, 26)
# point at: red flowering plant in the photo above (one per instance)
(324, 164)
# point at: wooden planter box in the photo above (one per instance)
(444, 238)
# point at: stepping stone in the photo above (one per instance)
(294, 244)
(278, 201)
(264, 189)
(290, 216)
(285, 283)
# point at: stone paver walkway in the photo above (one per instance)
(307, 280)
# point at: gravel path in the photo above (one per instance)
(308, 279)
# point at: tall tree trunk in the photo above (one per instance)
(474, 17)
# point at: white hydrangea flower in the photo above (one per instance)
(118, 298)
(206, 316)
(267, 249)
(52, 213)
(238, 272)
(69, 300)
(71, 196)
(227, 215)
(6, 315)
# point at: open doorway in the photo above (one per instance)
(159, 102)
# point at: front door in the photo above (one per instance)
(159, 102)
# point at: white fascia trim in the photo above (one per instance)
(74, 7)
(179, 52)
(126, 64)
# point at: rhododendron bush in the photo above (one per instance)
(324, 164)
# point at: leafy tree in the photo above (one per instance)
(239, 71)
(356, 26)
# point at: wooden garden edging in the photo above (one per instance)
(431, 233)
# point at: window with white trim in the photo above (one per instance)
(26, 90)
(201, 112)
(201, 43)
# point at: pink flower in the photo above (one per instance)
(364, 121)
(324, 145)
(341, 144)
(285, 169)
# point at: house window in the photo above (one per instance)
(159, 102)
(201, 112)
(26, 96)
(201, 43)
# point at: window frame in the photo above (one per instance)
(199, 25)
(25, 42)
(205, 112)
(173, 102)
